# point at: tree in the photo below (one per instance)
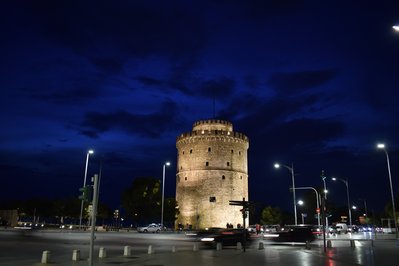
(170, 212)
(142, 200)
(271, 215)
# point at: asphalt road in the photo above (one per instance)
(23, 247)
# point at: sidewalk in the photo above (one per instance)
(385, 252)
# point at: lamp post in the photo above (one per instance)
(317, 202)
(365, 206)
(84, 184)
(347, 195)
(300, 202)
(163, 189)
(291, 169)
(382, 146)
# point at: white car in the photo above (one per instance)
(151, 228)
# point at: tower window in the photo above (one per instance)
(209, 149)
(240, 177)
(232, 151)
(183, 152)
(212, 199)
(223, 177)
(228, 163)
(185, 178)
(207, 163)
(239, 153)
(191, 151)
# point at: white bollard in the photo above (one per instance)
(150, 249)
(46, 257)
(76, 255)
(261, 245)
(352, 243)
(307, 245)
(195, 247)
(127, 251)
(239, 245)
(103, 253)
(219, 246)
(173, 249)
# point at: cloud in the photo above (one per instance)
(66, 96)
(298, 81)
(219, 88)
(151, 125)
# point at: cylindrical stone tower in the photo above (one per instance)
(212, 169)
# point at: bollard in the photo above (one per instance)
(329, 243)
(307, 245)
(150, 249)
(46, 257)
(103, 253)
(76, 255)
(239, 246)
(127, 251)
(372, 243)
(195, 247)
(352, 243)
(261, 246)
(173, 249)
(218, 246)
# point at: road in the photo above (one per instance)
(26, 247)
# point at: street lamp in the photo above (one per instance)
(291, 169)
(317, 202)
(163, 188)
(347, 195)
(395, 27)
(382, 146)
(84, 184)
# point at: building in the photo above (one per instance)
(212, 169)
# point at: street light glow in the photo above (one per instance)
(381, 146)
(395, 27)
(90, 151)
(276, 165)
(333, 179)
(300, 202)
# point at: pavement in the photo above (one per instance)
(376, 252)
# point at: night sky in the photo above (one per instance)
(310, 83)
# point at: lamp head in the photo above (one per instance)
(276, 165)
(167, 163)
(381, 146)
(90, 152)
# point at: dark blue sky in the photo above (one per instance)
(311, 83)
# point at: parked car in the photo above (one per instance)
(292, 234)
(151, 228)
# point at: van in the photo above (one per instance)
(341, 228)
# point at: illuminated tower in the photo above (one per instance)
(212, 169)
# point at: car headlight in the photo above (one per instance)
(207, 239)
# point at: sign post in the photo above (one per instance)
(245, 208)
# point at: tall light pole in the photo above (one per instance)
(317, 202)
(291, 169)
(382, 146)
(347, 195)
(163, 188)
(84, 184)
